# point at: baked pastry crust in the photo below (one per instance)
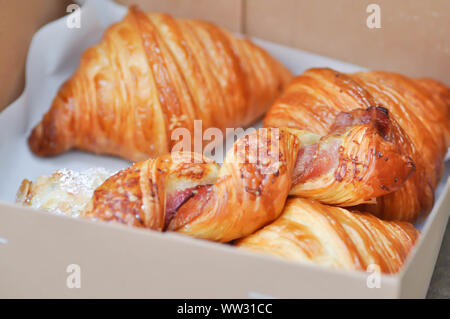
(191, 194)
(310, 232)
(150, 75)
(420, 109)
(65, 192)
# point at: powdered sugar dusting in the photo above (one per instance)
(81, 182)
(67, 192)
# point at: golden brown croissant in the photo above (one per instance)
(308, 231)
(190, 194)
(420, 107)
(151, 74)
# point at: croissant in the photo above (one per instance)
(189, 193)
(421, 127)
(308, 231)
(150, 75)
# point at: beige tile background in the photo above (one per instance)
(19, 20)
(414, 37)
(227, 13)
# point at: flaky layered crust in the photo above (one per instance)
(190, 194)
(420, 107)
(346, 167)
(151, 74)
(308, 231)
(65, 192)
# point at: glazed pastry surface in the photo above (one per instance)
(250, 189)
(65, 192)
(310, 232)
(150, 75)
(420, 108)
(191, 194)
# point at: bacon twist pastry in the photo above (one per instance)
(308, 231)
(151, 74)
(190, 194)
(420, 107)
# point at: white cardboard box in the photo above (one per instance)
(118, 261)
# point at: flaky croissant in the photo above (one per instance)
(420, 107)
(151, 74)
(190, 194)
(308, 231)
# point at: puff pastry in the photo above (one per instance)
(310, 232)
(151, 74)
(65, 192)
(190, 194)
(420, 108)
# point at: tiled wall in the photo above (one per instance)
(19, 20)
(414, 37)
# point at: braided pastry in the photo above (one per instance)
(151, 74)
(308, 231)
(420, 107)
(190, 194)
